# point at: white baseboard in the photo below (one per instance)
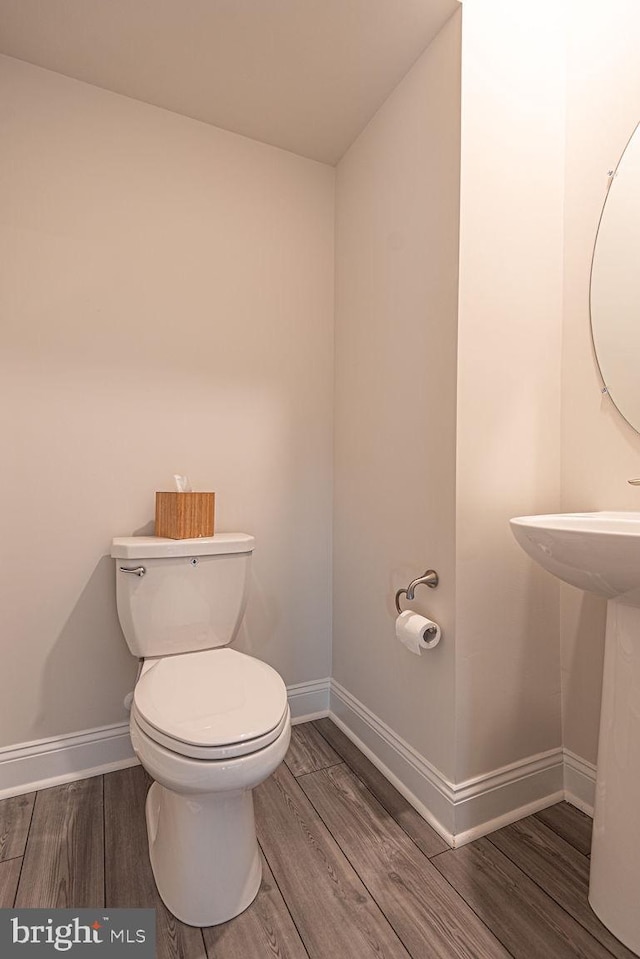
(495, 799)
(308, 700)
(579, 782)
(62, 759)
(72, 756)
(422, 785)
(460, 812)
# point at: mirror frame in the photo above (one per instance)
(604, 390)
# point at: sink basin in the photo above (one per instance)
(598, 552)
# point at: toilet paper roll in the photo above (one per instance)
(417, 632)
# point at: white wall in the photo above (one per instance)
(419, 480)
(167, 305)
(397, 194)
(541, 125)
(600, 450)
(527, 98)
(509, 344)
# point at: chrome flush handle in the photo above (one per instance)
(136, 570)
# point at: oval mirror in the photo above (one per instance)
(615, 286)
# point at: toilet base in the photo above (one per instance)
(204, 853)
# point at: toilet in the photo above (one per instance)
(208, 723)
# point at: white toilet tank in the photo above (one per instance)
(181, 595)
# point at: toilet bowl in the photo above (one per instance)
(202, 840)
(208, 723)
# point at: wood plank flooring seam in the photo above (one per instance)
(361, 877)
(380, 916)
(9, 877)
(24, 855)
(546, 891)
(17, 802)
(541, 887)
(483, 870)
(469, 904)
(557, 832)
(572, 835)
(340, 762)
(309, 750)
(357, 873)
(204, 943)
(275, 879)
(62, 866)
(15, 895)
(343, 851)
(382, 803)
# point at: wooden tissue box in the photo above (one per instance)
(185, 515)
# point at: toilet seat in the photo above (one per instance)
(211, 705)
(230, 751)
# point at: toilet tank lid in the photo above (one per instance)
(155, 547)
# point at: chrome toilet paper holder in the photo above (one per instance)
(430, 579)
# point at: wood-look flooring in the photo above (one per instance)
(349, 869)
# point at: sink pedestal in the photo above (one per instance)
(614, 887)
(600, 553)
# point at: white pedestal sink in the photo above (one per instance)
(600, 553)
